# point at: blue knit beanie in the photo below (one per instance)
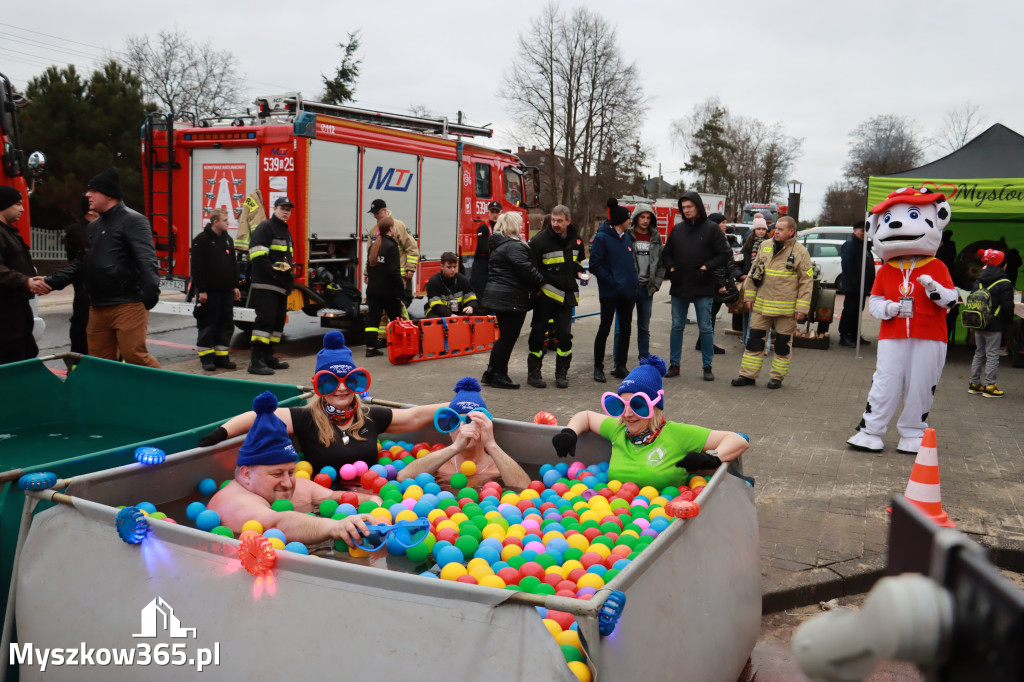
(267, 441)
(646, 378)
(467, 396)
(335, 355)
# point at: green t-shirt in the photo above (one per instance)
(653, 464)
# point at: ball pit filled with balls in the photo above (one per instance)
(568, 534)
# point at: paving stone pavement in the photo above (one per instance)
(821, 505)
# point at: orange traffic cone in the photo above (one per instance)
(923, 487)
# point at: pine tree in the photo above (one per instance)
(342, 88)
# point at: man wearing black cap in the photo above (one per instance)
(478, 276)
(18, 283)
(270, 254)
(407, 246)
(120, 274)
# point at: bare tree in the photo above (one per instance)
(882, 145)
(844, 205)
(571, 91)
(421, 111)
(961, 126)
(191, 80)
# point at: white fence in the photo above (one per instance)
(48, 244)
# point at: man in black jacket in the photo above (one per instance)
(215, 284)
(18, 283)
(851, 256)
(120, 274)
(557, 252)
(694, 249)
(76, 244)
(270, 254)
(449, 291)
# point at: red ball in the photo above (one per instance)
(570, 514)
(547, 506)
(621, 511)
(368, 478)
(509, 575)
(536, 485)
(560, 488)
(697, 490)
(437, 446)
(571, 532)
(590, 558)
(566, 585)
(532, 568)
(467, 579)
(630, 486)
(605, 493)
(591, 533)
(622, 550)
(612, 518)
(322, 479)
(512, 540)
(685, 494)
(571, 594)
(524, 505)
(564, 620)
(581, 474)
(349, 497)
(614, 537)
(610, 560)
(378, 483)
(402, 454)
(420, 446)
(449, 534)
(577, 573)
(552, 579)
(585, 597)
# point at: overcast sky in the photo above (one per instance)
(820, 68)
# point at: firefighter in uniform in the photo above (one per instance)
(215, 278)
(557, 252)
(270, 253)
(449, 292)
(778, 292)
(409, 253)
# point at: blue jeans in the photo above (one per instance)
(702, 309)
(644, 306)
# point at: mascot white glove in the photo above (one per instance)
(892, 309)
(928, 283)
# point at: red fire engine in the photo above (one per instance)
(12, 156)
(332, 162)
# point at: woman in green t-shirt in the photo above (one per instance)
(646, 449)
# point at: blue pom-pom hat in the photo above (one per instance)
(267, 441)
(467, 396)
(335, 356)
(646, 378)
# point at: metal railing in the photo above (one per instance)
(47, 244)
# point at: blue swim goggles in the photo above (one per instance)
(405, 533)
(447, 420)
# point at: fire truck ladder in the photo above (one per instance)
(156, 167)
(294, 105)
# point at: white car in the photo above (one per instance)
(826, 254)
(840, 232)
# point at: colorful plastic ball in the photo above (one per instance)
(330, 471)
(453, 571)
(282, 505)
(322, 479)
(194, 509)
(207, 520)
(418, 553)
(297, 547)
(274, 533)
(459, 480)
(468, 468)
(207, 486)
(449, 554)
(579, 669)
(223, 484)
(253, 525)
(276, 543)
(222, 530)
(328, 507)
(529, 583)
(565, 620)
(147, 507)
(302, 474)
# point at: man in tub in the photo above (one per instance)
(265, 472)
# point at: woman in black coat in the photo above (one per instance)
(512, 281)
(384, 284)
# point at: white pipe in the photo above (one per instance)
(26, 521)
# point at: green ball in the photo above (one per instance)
(609, 527)
(670, 492)
(367, 506)
(513, 588)
(571, 653)
(384, 461)
(469, 529)
(480, 521)
(459, 480)
(469, 493)
(545, 560)
(529, 583)
(609, 574)
(468, 544)
(327, 508)
(633, 527)
(634, 554)
(543, 588)
(572, 553)
(603, 540)
(590, 523)
(569, 523)
(517, 561)
(472, 509)
(429, 540)
(158, 515)
(282, 505)
(223, 483)
(340, 546)
(408, 459)
(338, 516)
(391, 488)
(223, 530)
(447, 502)
(418, 553)
(628, 541)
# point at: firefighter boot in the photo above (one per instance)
(207, 362)
(223, 362)
(272, 362)
(562, 363)
(533, 365)
(257, 363)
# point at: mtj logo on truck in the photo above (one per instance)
(392, 179)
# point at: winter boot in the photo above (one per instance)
(257, 364)
(223, 362)
(272, 362)
(488, 376)
(502, 380)
(562, 363)
(533, 365)
(599, 374)
(207, 362)
(620, 372)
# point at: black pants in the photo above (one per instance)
(79, 320)
(609, 308)
(376, 304)
(271, 310)
(851, 313)
(17, 342)
(406, 297)
(215, 322)
(509, 326)
(548, 309)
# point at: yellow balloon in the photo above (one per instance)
(650, 492)
(468, 468)
(510, 551)
(302, 473)
(254, 525)
(304, 466)
(614, 486)
(453, 571)
(590, 580)
(580, 670)
(491, 581)
(414, 492)
(570, 637)
(276, 543)
(406, 515)
(554, 628)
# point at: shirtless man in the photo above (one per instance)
(472, 441)
(265, 472)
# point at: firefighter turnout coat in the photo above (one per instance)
(780, 282)
(558, 260)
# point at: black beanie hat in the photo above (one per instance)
(107, 183)
(9, 197)
(617, 214)
(717, 218)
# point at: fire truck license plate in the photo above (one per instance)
(173, 284)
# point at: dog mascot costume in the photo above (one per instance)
(911, 296)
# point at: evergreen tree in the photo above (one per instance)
(342, 88)
(708, 159)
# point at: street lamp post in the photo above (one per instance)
(794, 187)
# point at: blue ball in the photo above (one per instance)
(404, 485)
(488, 554)
(347, 509)
(438, 546)
(207, 520)
(563, 468)
(660, 523)
(598, 569)
(449, 555)
(494, 543)
(194, 509)
(379, 470)
(422, 508)
(207, 486)
(528, 554)
(395, 508)
(330, 471)
(550, 478)
(429, 574)
(590, 481)
(432, 488)
(498, 565)
(621, 564)
(388, 444)
(445, 495)
(395, 548)
(424, 479)
(147, 507)
(297, 547)
(399, 465)
(542, 611)
(544, 468)
(275, 533)
(557, 545)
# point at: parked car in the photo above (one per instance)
(840, 232)
(826, 255)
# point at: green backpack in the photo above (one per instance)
(977, 311)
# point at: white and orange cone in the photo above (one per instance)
(923, 487)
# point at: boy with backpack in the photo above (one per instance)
(987, 310)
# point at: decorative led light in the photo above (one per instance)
(131, 525)
(256, 554)
(611, 611)
(149, 455)
(38, 481)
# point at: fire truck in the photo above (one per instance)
(12, 156)
(771, 211)
(332, 162)
(667, 209)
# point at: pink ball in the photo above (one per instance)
(409, 502)
(640, 503)
(531, 524)
(347, 472)
(643, 523)
(574, 467)
(361, 467)
(537, 547)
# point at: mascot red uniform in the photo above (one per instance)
(912, 293)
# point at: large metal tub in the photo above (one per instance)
(693, 597)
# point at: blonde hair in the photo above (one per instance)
(510, 225)
(217, 213)
(786, 219)
(657, 416)
(326, 431)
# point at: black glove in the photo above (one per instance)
(565, 443)
(698, 460)
(213, 437)
(150, 303)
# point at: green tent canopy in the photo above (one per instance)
(984, 183)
